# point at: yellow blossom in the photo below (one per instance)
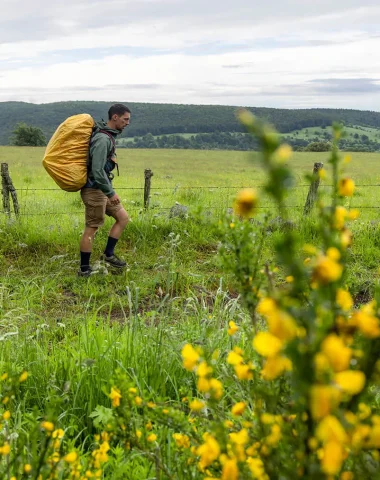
(181, 440)
(332, 458)
(289, 279)
(190, 357)
(4, 376)
(367, 323)
(6, 415)
(203, 370)
(282, 325)
(246, 202)
(151, 437)
(346, 476)
(243, 372)
(208, 452)
(327, 270)
(196, 405)
(203, 385)
(5, 449)
(58, 433)
(323, 399)
(132, 390)
(344, 299)
(23, 376)
(230, 470)
(216, 388)
(115, 396)
(71, 457)
(267, 306)
(346, 187)
(337, 353)
(350, 381)
(353, 214)
(138, 434)
(238, 408)
(27, 468)
(322, 173)
(284, 152)
(48, 426)
(330, 429)
(275, 366)
(267, 344)
(340, 216)
(233, 328)
(234, 358)
(138, 401)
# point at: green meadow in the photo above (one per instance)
(71, 333)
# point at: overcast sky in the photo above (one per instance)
(274, 53)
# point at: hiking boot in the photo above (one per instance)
(114, 261)
(86, 273)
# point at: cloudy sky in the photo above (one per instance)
(275, 53)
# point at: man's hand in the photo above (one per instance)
(115, 200)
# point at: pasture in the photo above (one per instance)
(78, 337)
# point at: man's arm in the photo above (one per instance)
(99, 153)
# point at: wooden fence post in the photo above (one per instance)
(312, 195)
(8, 190)
(148, 174)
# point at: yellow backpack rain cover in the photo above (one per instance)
(66, 154)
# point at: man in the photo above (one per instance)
(98, 195)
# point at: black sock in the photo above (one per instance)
(110, 246)
(85, 261)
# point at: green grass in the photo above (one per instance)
(311, 133)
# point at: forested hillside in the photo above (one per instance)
(163, 119)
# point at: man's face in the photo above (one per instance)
(122, 121)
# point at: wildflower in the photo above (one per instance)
(234, 358)
(322, 173)
(203, 370)
(196, 405)
(353, 214)
(346, 187)
(138, 401)
(208, 452)
(138, 434)
(203, 385)
(149, 426)
(330, 429)
(340, 216)
(367, 323)
(337, 353)
(282, 325)
(240, 438)
(27, 468)
(151, 438)
(6, 415)
(238, 408)
(246, 202)
(284, 152)
(4, 376)
(256, 467)
(58, 433)
(346, 476)
(5, 449)
(181, 440)
(243, 372)
(344, 299)
(275, 366)
(267, 344)
(115, 396)
(71, 457)
(217, 388)
(190, 357)
(327, 270)
(23, 376)
(289, 279)
(48, 426)
(230, 470)
(332, 458)
(350, 381)
(323, 399)
(233, 328)
(132, 390)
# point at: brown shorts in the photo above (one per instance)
(97, 206)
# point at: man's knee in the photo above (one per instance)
(122, 218)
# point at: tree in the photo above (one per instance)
(318, 147)
(28, 136)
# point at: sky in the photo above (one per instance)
(274, 53)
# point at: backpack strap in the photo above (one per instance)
(112, 141)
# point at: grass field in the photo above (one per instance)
(62, 329)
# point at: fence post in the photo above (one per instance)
(8, 189)
(312, 195)
(148, 174)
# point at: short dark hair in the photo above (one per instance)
(119, 109)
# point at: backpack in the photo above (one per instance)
(66, 157)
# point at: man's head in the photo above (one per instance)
(118, 116)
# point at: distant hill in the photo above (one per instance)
(163, 119)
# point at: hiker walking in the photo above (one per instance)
(98, 194)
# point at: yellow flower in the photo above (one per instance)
(337, 353)
(208, 451)
(27, 468)
(267, 306)
(353, 214)
(282, 325)
(367, 323)
(5, 449)
(289, 279)
(71, 457)
(239, 438)
(58, 433)
(217, 388)
(234, 358)
(332, 458)
(196, 405)
(344, 299)
(181, 440)
(238, 408)
(115, 396)
(203, 370)
(327, 270)
(350, 381)
(138, 401)
(323, 399)
(246, 202)
(275, 366)
(322, 173)
(7, 415)
(203, 385)
(284, 152)
(243, 372)
(330, 429)
(151, 438)
(267, 344)
(346, 187)
(190, 357)
(132, 390)
(4, 376)
(230, 470)
(138, 434)
(233, 328)
(48, 426)
(23, 377)
(340, 216)
(346, 476)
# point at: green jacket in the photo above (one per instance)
(101, 159)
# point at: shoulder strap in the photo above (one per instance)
(111, 137)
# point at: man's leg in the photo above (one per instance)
(122, 219)
(86, 243)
